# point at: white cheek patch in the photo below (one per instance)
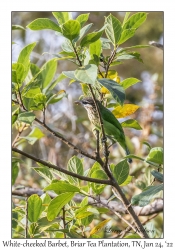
(88, 106)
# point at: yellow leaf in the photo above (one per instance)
(99, 226)
(125, 110)
(104, 91)
(112, 74)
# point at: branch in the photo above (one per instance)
(99, 160)
(151, 209)
(107, 182)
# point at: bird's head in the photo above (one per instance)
(87, 103)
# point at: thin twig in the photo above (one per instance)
(45, 163)
(98, 144)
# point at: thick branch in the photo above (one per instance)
(107, 182)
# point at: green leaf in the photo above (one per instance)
(90, 38)
(131, 123)
(126, 34)
(67, 46)
(71, 29)
(83, 31)
(15, 171)
(113, 29)
(44, 172)
(147, 144)
(70, 74)
(54, 83)
(117, 91)
(146, 196)
(132, 236)
(17, 27)
(34, 207)
(48, 71)
(24, 55)
(62, 17)
(127, 181)
(95, 51)
(98, 174)
(130, 55)
(82, 18)
(61, 187)
(18, 72)
(157, 175)
(87, 74)
(129, 82)
(43, 23)
(120, 171)
(26, 117)
(155, 155)
(32, 92)
(75, 165)
(57, 204)
(34, 135)
(40, 100)
(135, 21)
(53, 98)
(126, 17)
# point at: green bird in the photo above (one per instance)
(112, 126)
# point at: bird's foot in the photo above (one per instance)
(104, 139)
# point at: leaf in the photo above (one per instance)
(43, 23)
(17, 27)
(129, 82)
(40, 99)
(126, 34)
(95, 51)
(126, 17)
(24, 57)
(32, 92)
(116, 89)
(56, 97)
(75, 165)
(147, 144)
(18, 72)
(54, 83)
(98, 174)
(34, 207)
(125, 110)
(146, 196)
(127, 181)
(87, 74)
(99, 226)
(15, 171)
(132, 236)
(131, 123)
(34, 135)
(83, 31)
(120, 171)
(155, 155)
(71, 29)
(26, 117)
(62, 187)
(130, 55)
(57, 204)
(67, 46)
(90, 38)
(82, 18)
(70, 74)
(113, 29)
(61, 17)
(135, 21)
(157, 175)
(48, 71)
(44, 172)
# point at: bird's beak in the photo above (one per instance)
(77, 102)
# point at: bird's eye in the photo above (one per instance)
(85, 102)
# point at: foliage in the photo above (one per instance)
(33, 92)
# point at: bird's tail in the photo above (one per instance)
(127, 153)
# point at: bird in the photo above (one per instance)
(112, 126)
